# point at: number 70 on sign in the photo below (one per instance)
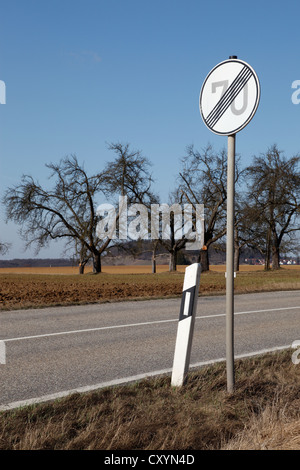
(224, 84)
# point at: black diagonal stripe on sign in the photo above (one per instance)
(226, 95)
(238, 87)
(229, 96)
(234, 92)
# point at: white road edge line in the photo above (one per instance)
(139, 324)
(125, 380)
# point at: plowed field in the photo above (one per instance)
(36, 287)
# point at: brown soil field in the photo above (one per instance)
(39, 287)
(132, 269)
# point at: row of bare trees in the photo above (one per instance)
(271, 205)
(267, 202)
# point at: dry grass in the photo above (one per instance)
(263, 413)
(20, 290)
(272, 430)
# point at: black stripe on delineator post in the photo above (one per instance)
(226, 95)
(229, 96)
(187, 296)
(238, 87)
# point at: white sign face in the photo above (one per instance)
(229, 97)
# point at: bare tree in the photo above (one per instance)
(173, 244)
(202, 180)
(67, 211)
(274, 197)
(80, 254)
(171, 234)
(252, 231)
(245, 227)
(4, 247)
(129, 175)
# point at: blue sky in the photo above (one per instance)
(80, 74)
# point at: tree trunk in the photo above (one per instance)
(275, 257)
(236, 252)
(268, 251)
(172, 262)
(81, 268)
(153, 265)
(204, 260)
(96, 263)
(236, 258)
(154, 257)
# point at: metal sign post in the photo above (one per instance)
(186, 322)
(230, 264)
(228, 101)
(2, 101)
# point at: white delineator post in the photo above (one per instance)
(2, 353)
(186, 322)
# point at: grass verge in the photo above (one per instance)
(262, 413)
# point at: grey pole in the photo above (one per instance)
(230, 264)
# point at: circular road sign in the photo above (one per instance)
(229, 97)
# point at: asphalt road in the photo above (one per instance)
(50, 352)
